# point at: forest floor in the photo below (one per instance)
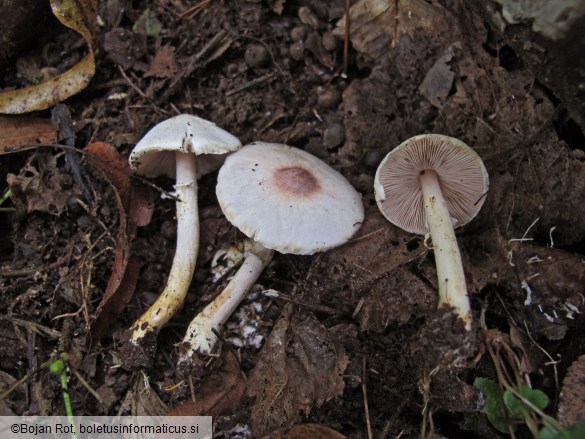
(349, 339)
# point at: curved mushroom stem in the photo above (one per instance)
(187, 247)
(452, 287)
(201, 335)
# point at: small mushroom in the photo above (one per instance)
(170, 148)
(286, 200)
(430, 184)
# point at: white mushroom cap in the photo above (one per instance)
(154, 154)
(288, 200)
(462, 177)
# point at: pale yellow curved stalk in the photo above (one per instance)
(201, 335)
(451, 278)
(171, 299)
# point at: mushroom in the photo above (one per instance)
(286, 200)
(170, 148)
(430, 184)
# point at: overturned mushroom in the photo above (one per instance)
(170, 148)
(286, 200)
(431, 184)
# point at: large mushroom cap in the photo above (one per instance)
(287, 199)
(462, 176)
(154, 154)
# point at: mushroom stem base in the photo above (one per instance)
(201, 335)
(451, 278)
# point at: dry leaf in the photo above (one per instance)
(40, 186)
(79, 16)
(305, 431)
(163, 65)
(301, 365)
(377, 25)
(6, 381)
(135, 210)
(377, 267)
(142, 400)
(15, 131)
(439, 79)
(531, 356)
(220, 393)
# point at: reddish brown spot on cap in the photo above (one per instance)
(296, 181)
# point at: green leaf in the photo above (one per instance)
(517, 408)
(147, 24)
(494, 405)
(577, 431)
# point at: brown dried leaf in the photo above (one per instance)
(439, 79)
(124, 47)
(164, 64)
(7, 381)
(79, 16)
(305, 431)
(221, 393)
(314, 44)
(40, 186)
(377, 25)
(532, 356)
(135, 209)
(15, 131)
(142, 400)
(376, 268)
(300, 365)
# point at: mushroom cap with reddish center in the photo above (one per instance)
(461, 173)
(154, 154)
(287, 199)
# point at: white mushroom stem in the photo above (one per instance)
(187, 247)
(201, 335)
(452, 287)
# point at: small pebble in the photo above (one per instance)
(330, 98)
(364, 183)
(298, 33)
(297, 51)
(308, 17)
(329, 41)
(334, 136)
(84, 222)
(257, 55)
(168, 229)
(373, 158)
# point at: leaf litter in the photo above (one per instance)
(431, 69)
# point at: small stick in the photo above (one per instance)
(346, 39)
(192, 65)
(365, 393)
(61, 116)
(252, 83)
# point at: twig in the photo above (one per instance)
(61, 116)
(365, 393)
(524, 238)
(253, 83)
(153, 104)
(346, 39)
(192, 65)
(29, 271)
(191, 12)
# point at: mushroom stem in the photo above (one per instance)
(201, 335)
(452, 287)
(187, 247)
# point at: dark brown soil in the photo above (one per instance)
(362, 336)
